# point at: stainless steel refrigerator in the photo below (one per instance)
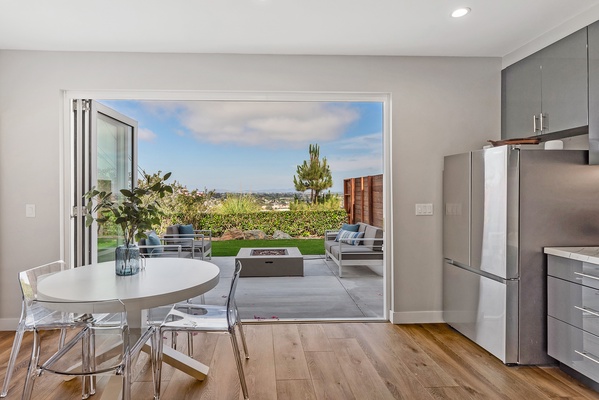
(502, 206)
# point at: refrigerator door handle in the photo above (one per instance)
(479, 272)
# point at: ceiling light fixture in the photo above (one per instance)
(460, 12)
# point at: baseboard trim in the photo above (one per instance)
(8, 324)
(417, 317)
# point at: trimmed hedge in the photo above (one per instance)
(295, 223)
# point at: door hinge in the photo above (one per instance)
(78, 212)
(85, 105)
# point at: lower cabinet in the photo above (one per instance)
(573, 347)
(573, 315)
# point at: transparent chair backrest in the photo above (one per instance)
(231, 307)
(38, 310)
(30, 278)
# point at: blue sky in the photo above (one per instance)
(254, 146)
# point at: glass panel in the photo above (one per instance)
(114, 172)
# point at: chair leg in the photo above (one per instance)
(243, 342)
(154, 357)
(63, 338)
(16, 346)
(127, 374)
(237, 355)
(158, 370)
(32, 370)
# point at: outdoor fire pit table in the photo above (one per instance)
(286, 261)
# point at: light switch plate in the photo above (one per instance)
(424, 209)
(30, 210)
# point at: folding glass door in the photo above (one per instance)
(104, 156)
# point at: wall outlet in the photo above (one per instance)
(424, 209)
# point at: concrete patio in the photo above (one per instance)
(319, 294)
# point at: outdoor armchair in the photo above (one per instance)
(195, 242)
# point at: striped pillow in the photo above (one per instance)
(349, 237)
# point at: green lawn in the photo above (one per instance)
(226, 248)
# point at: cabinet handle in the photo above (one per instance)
(542, 118)
(586, 276)
(585, 355)
(588, 310)
(534, 123)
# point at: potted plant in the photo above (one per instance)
(135, 211)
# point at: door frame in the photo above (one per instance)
(383, 97)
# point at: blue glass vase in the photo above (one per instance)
(126, 261)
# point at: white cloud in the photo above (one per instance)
(272, 124)
(357, 153)
(368, 142)
(371, 162)
(146, 135)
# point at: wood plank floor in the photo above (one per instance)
(332, 361)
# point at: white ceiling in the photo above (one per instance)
(333, 27)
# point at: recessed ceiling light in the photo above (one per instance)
(460, 12)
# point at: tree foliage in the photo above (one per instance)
(314, 174)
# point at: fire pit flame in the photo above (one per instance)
(269, 252)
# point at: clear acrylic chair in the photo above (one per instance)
(157, 315)
(190, 317)
(33, 316)
(106, 324)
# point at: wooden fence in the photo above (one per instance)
(363, 199)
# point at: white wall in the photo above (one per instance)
(439, 106)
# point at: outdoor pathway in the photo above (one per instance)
(319, 294)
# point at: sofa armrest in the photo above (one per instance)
(330, 234)
(204, 232)
(166, 248)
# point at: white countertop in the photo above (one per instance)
(586, 254)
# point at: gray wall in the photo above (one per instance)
(439, 106)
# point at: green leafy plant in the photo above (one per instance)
(135, 211)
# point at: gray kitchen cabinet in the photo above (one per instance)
(573, 313)
(520, 98)
(548, 91)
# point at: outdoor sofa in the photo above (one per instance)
(356, 244)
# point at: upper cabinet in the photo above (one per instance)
(548, 91)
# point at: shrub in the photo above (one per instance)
(295, 223)
(238, 204)
(327, 201)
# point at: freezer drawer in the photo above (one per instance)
(573, 347)
(478, 307)
(573, 303)
(573, 270)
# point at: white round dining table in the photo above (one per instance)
(163, 281)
